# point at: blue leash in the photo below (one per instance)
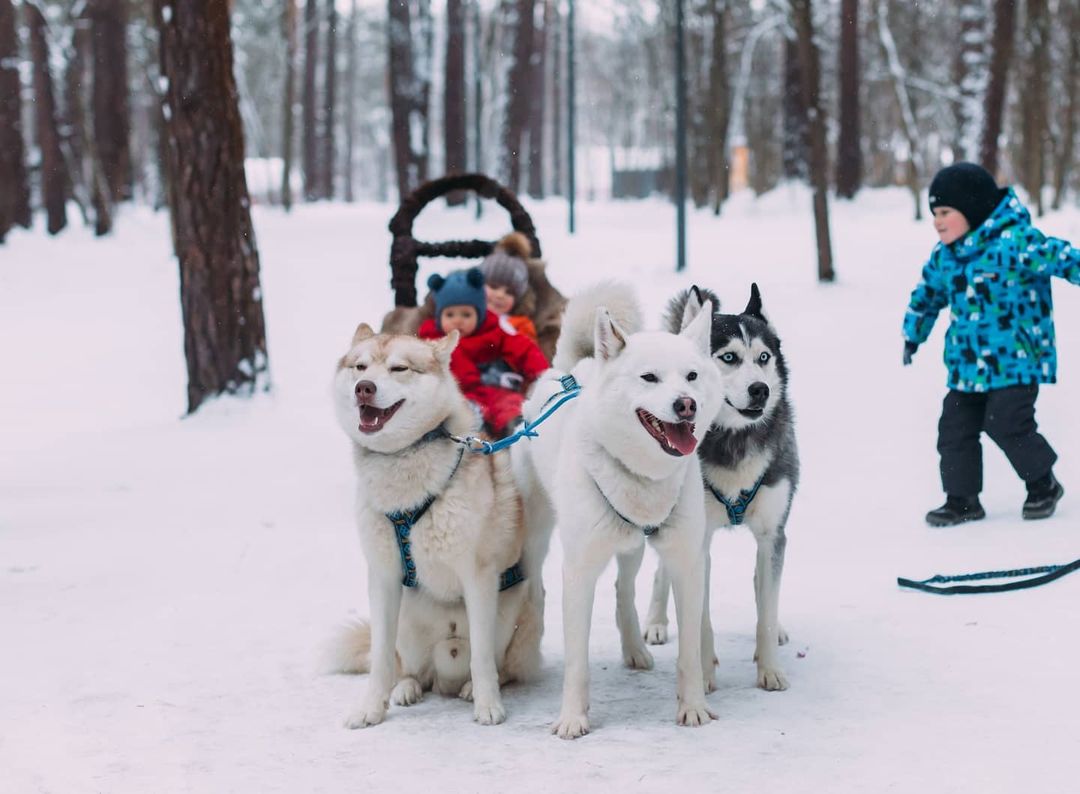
(1040, 575)
(571, 389)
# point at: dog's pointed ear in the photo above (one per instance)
(363, 331)
(444, 346)
(699, 329)
(692, 307)
(753, 308)
(608, 339)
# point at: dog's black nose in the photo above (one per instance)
(685, 408)
(365, 390)
(759, 393)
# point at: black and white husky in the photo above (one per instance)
(750, 464)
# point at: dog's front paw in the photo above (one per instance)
(656, 633)
(571, 727)
(406, 692)
(491, 713)
(365, 716)
(638, 658)
(772, 679)
(710, 683)
(693, 716)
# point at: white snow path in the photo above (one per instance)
(166, 583)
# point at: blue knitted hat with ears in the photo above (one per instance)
(460, 288)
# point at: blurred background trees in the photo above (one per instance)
(363, 99)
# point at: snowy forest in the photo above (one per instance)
(202, 200)
(348, 100)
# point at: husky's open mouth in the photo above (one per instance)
(749, 413)
(373, 419)
(676, 438)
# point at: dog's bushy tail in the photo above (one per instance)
(579, 321)
(350, 650)
(676, 308)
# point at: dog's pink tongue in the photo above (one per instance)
(370, 416)
(680, 435)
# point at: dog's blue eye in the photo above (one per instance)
(691, 376)
(648, 377)
(729, 358)
(764, 358)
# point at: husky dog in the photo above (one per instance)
(442, 532)
(750, 463)
(616, 466)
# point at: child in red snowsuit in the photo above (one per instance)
(513, 360)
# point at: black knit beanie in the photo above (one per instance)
(968, 188)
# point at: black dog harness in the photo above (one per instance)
(649, 531)
(405, 520)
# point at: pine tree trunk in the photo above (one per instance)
(1001, 49)
(1072, 106)
(719, 105)
(112, 117)
(1034, 101)
(424, 50)
(848, 147)
(455, 138)
(89, 183)
(289, 30)
(795, 152)
(518, 91)
(54, 179)
(329, 161)
(224, 331)
(908, 123)
(310, 99)
(809, 68)
(399, 49)
(15, 197)
(558, 141)
(538, 64)
(968, 71)
(699, 180)
(350, 103)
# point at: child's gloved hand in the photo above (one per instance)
(909, 351)
(511, 381)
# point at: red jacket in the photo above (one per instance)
(491, 342)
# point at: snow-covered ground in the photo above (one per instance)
(166, 583)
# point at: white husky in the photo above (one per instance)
(616, 466)
(442, 533)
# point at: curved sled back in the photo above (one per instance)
(405, 248)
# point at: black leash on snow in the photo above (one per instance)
(1040, 575)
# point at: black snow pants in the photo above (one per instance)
(1008, 417)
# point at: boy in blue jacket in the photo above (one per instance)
(992, 269)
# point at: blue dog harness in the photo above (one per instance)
(405, 520)
(736, 508)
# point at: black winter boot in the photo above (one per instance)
(956, 510)
(1042, 498)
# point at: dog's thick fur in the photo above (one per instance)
(455, 633)
(605, 475)
(752, 437)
